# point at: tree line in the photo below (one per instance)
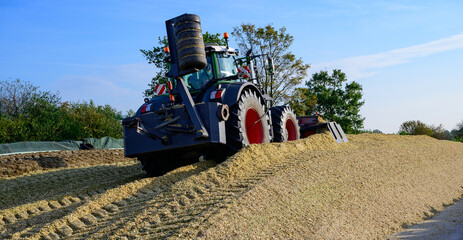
(416, 127)
(29, 114)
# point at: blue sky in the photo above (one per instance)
(406, 54)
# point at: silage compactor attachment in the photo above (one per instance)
(310, 125)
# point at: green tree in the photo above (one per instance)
(440, 132)
(370, 131)
(457, 134)
(157, 56)
(28, 114)
(95, 121)
(19, 97)
(415, 128)
(337, 100)
(130, 113)
(302, 102)
(289, 70)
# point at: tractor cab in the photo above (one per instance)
(220, 66)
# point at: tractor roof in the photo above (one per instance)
(214, 47)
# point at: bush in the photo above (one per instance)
(415, 128)
(94, 121)
(27, 114)
(457, 134)
(440, 133)
(370, 131)
(419, 128)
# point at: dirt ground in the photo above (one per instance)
(369, 188)
(445, 225)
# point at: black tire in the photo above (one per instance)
(186, 18)
(184, 38)
(187, 26)
(284, 124)
(159, 164)
(189, 51)
(237, 134)
(190, 44)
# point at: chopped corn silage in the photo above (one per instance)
(312, 188)
(367, 190)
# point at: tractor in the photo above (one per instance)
(214, 106)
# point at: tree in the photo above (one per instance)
(370, 131)
(157, 57)
(415, 128)
(289, 70)
(302, 102)
(27, 114)
(439, 132)
(457, 134)
(336, 103)
(95, 121)
(21, 97)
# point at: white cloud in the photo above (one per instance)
(368, 65)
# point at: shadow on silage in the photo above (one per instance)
(130, 206)
(66, 182)
(37, 221)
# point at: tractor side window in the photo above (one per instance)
(198, 79)
(227, 65)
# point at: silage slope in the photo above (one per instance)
(311, 188)
(374, 187)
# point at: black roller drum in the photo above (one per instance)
(190, 43)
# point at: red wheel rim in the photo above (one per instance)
(291, 129)
(254, 128)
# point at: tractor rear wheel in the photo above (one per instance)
(284, 124)
(248, 122)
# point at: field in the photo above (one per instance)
(314, 188)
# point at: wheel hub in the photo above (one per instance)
(254, 128)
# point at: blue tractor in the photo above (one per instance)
(212, 109)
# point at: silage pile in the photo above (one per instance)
(370, 188)
(313, 188)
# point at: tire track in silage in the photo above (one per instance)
(180, 211)
(115, 206)
(77, 186)
(160, 208)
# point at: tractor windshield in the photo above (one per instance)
(227, 65)
(197, 80)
